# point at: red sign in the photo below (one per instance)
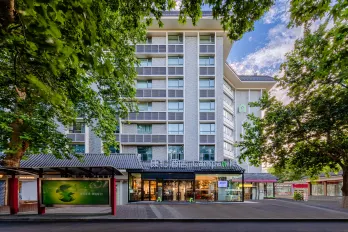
(300, 185)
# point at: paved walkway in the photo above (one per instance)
(267, 209)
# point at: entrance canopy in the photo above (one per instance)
(90, 165)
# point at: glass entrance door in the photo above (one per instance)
(149, 190)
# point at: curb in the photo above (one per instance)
(200, 220)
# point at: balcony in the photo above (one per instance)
(207, 49)
(229, 108)
(207, 93)
(175, 71)
(150, 49)
(175, 93)
(176, 116)
(175, 49)
(229, 92)
(229, 122)
(175, 139)
(151, 71)
(207, 116)
(146, 116)
(143, 139)
(206, 71)
(76, 137)
(207, 139)
(151, 93)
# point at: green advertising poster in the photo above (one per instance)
(75, 192)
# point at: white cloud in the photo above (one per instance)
(250, 38)
(278, 12)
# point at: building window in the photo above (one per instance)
(145, 106)
(114, 149)
(77, 127)
(207, 129)
(206, 153)
(144, 128)
(228, 86)
(145, 152)
(228, 100)
(206, 83)
(145, 62)
(228, 131)
(176, 129)
(175, 83)
(175, 39)
(207, 39)
(144, 84)
(175, 61)
(78, 148)
(206, 61)
(207, 106)
(228, 146)
(117, 130)
(176, 152)
(148, 40)
(176, 106)
(228, 116)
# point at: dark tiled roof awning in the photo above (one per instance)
(255, 78)
(192, 166)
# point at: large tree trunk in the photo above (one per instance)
(345, 188)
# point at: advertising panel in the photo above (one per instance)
(222, 184)
(75, 192)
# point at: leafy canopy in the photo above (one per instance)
(60, 59)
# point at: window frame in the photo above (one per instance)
(74, 129)
(211, 109)
(147, 153)
(211, 130)
(202, 155)
(180, 60)
(210, 80)
(148, 84)
(210, 41)
(210, 59)
(178, 131)
(176, 153)
(180, 82)
(179, 39)
(148, 106)
(178, 109)
(143, 61)
(144, 129)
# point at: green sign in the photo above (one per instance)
(242, 108)
(75, 192)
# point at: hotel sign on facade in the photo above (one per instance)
(191, 164)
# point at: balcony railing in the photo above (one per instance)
(147, 116)
(207, 116)
(175, 116)
(207, 93)
(207, 138)
(175, 93)
(175, 139)
(76, 137)
(132, 138)
(207, 48)
(150, 93)
(175, 48)
(150, 48)
(206, 70)
(175, 71)
(151, 71)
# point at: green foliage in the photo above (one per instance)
(298, 196)
(309, 135)
(60, 59)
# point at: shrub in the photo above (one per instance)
(298, 196)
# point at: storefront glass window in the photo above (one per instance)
(317, 189)
(134, 183)
(218, 187)
(333, 189)
(269, 188)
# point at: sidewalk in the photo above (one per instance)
(259, 210)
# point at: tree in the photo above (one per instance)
(63, 58)
(311, 132)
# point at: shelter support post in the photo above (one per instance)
(113, 195)
(13, 194)
(40, 207)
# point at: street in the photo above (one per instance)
(173, 226)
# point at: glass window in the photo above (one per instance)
(134, 184)
(206, 83)
(207, 129)
(114, 149)
(228, 146)
(117, 130)
(176, 128)
(228, 131)
(175, 61)
(207, 39)
(144, 128)
(77, 127)
(144, 62)
(228, 115)
(206, 153)
(228, 100)
(206, 60)
(175, 83)
(176, 106)
(176, 152)
(144, 84)
(317, 189)
(175, 39)
(78, 148)
(207, 106)
(145, 106)
(145, 152)
(228, 86)
(148, 40)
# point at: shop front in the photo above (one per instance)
(187, 181)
